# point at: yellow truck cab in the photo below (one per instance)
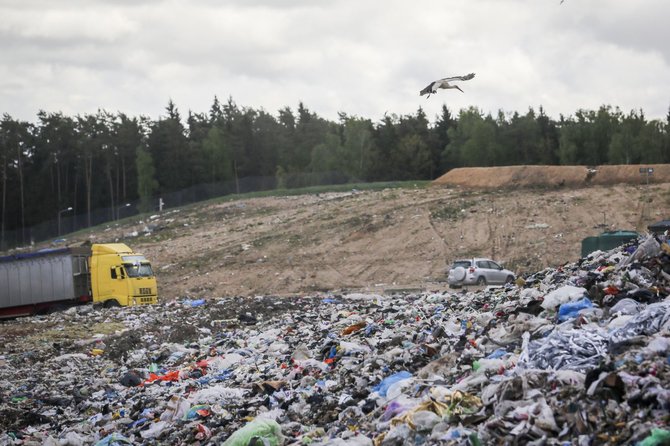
(120, 276)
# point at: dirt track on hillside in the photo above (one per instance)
(383, 240)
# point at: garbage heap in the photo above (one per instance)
(571, 355)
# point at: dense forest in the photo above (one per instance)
(92, 166)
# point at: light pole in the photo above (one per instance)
(118, 211)
(59, 214)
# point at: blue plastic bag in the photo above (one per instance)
(114, 439)
(497, 354)
(387, 382)
(571, 310)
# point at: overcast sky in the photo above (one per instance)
(364, 58)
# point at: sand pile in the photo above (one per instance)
(553, 176)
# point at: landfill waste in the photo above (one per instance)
(658, 437)
(578, 354)
(114, 440)
(572, 309)
(259, 431)
(383, 387)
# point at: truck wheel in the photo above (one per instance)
(111, 303)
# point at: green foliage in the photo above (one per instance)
(169, 150)
(281, 177)
(99, 160)
(147, 184)
(217, 156)
(452, 211)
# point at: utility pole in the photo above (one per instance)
(59, 214)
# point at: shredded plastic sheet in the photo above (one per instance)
(648, 322)
(626, 306)
(567, 349)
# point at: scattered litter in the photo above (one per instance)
(574, 355)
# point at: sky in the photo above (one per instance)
(361, 57)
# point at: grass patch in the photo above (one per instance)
(325, 189)
(359, 220)
(75, 332)
(419, 184)
(451, 211)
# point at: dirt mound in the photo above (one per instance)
(554, 176)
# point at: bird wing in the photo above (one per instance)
(427, 90)
(467, 77)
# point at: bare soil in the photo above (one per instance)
(528, 217)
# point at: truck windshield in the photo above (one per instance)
(134, 259)
(138, 269)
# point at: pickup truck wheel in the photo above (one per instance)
(481, 280)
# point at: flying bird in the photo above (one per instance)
(445, 83)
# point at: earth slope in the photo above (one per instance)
(389, 239)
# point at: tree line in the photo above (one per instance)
(102, 160)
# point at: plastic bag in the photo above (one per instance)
(383, 387)
(155, 430)
(571, 310)
(658, 437)
(268, 432)
(425, 420)
(393, 409)
(626, 306)
(196, 412)
(648, 248)
(114, 439)
(562, 295)
(176, 408)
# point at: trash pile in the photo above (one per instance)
(573, 355)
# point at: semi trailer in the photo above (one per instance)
(110, 274)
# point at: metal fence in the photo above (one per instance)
(76, 220)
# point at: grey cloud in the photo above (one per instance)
(333, 55)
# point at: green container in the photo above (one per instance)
(606, 241)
